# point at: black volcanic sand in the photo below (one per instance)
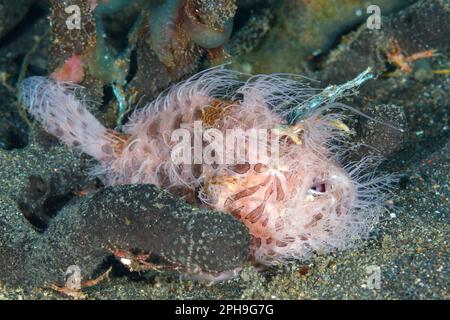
(39, 184)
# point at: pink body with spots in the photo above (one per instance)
(299, 201)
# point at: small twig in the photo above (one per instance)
(441, 71)
(22, 73)
(77, 293)
(4, 78)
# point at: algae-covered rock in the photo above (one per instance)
(11, 13)
(304, 29)
(39, 240)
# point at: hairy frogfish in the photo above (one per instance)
(228, 144)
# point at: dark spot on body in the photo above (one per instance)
(279, 224)
(259, 167)
(197, 114)
(153, 129)
(59, 132)
(256, 242)
(107, 149)
(280, 192)
(70, 122)
(237, 212)
(314, 220)
(256, 213)
(280, 244)
(303, 237)
(241, 168)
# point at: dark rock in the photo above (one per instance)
(11, 13)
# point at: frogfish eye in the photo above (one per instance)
(319, 188)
